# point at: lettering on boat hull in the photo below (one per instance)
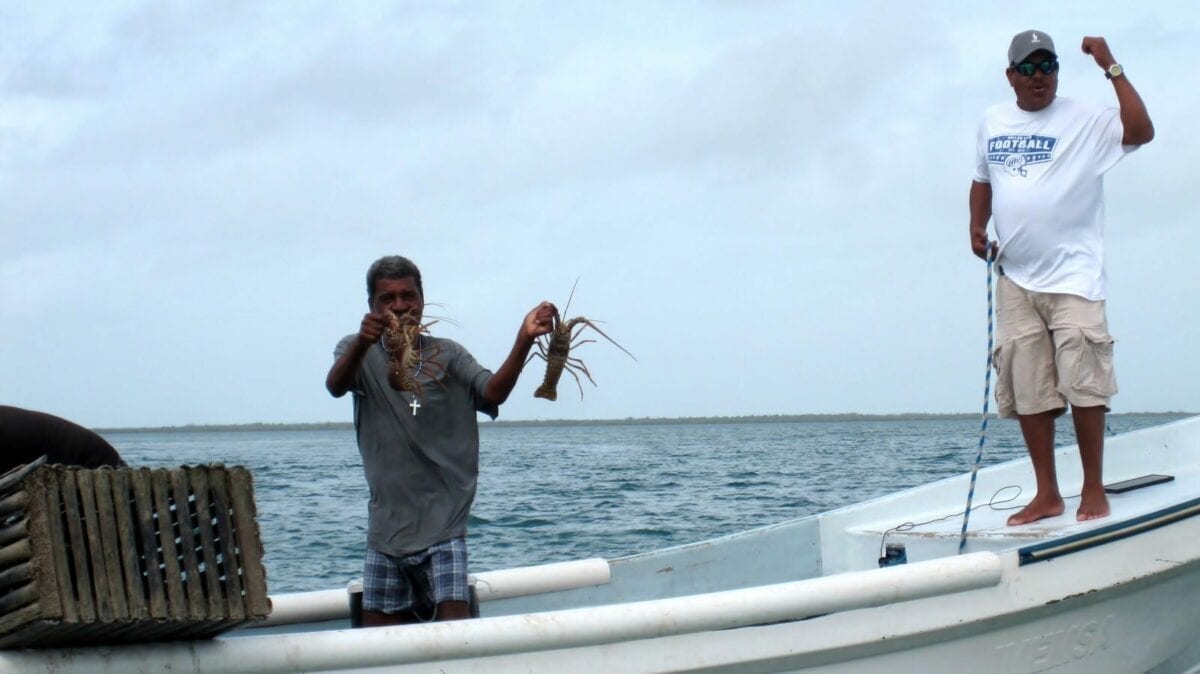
(1050, 650)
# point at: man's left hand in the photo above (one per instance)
(1098, 49)
(540, 320)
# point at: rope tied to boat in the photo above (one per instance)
(987, 389)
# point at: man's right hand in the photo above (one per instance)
(980, 203)
(979, 243)
(341, 376)
(371, 329)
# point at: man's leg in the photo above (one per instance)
(1084, 360)
(1089, 431)
(388, 593)
(453, 610)
(448, 579)
(1038, 430)
(1025, 379)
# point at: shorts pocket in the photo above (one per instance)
(1005, 400)
(1094, 373)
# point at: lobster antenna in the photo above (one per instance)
(571, 297)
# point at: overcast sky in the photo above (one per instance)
(766, 202)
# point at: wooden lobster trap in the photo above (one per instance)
(92, 556)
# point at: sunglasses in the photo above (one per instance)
(1028, 69)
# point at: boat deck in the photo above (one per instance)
(929, 520)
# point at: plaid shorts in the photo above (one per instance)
(419, 581)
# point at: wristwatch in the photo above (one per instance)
(1115, 70)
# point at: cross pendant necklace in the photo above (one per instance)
(416, 404)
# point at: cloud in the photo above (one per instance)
(766, 202)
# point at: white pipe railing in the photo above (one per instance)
(345, 650)
(322, 605)
(529, 580)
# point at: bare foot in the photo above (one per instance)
(1092, 506)
(1037, 509)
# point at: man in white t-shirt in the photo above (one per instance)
(1039, 177)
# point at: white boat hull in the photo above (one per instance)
(1118, 595)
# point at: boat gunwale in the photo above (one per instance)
(1108, 533)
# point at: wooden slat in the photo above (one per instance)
(217, 605)
(218, 481)
(17, 598)
(13, 532)
(16, 620)
(14, 477)
(131, 559)
(197, 606)
(176, 603)
(107, 523)
(144, 504)
(42, 560)
(16, 575)
(56, 539)
(16, 553)
(17, 501)
(91, 530)
(80, 634)
(250, 552)
(77, 544)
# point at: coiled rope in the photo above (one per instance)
(987, 386)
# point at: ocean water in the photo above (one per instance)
(556, 493)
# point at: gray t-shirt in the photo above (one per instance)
(421, 468)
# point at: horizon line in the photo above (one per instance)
(750, 418)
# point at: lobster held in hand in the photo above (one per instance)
(402, 340)
(557, 353)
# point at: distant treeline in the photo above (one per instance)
(221, 428)
(627, 421)
(780, 418)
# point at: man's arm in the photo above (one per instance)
(1139, 130)
(345, 369)
(537, 322)
(980, 203)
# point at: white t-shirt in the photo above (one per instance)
(1046, 170)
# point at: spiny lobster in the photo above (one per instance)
(406, 356)
(557, 352)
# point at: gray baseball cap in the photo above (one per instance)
(1024, 44)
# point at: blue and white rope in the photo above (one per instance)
(987, 386)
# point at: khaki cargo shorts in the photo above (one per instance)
(1052, 349)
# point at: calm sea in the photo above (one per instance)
(554, 493)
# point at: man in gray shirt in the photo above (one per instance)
(420, 448)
